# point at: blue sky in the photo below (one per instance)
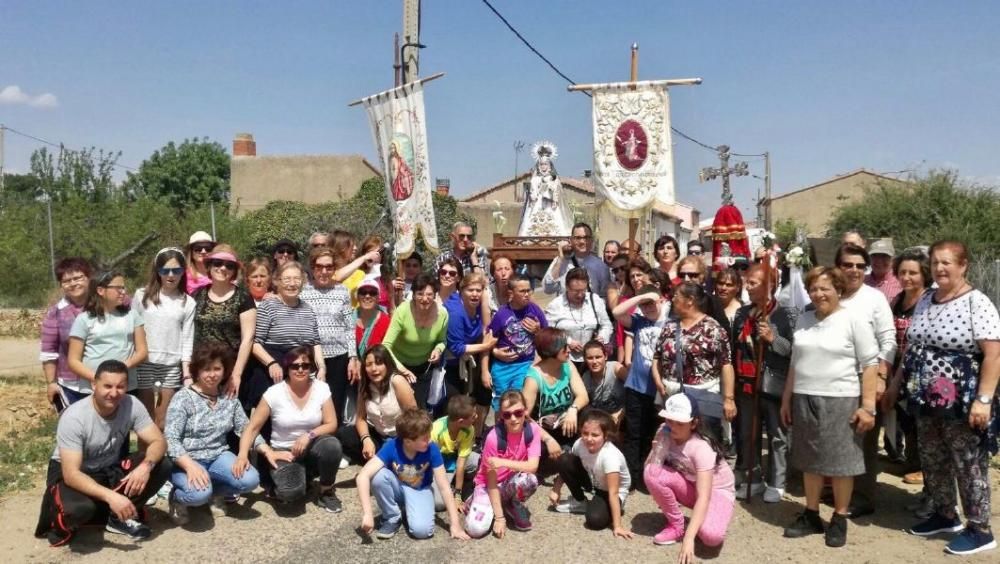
(826, 87)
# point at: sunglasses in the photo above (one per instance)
(449, 273)
(300, 366)
(617, 269)
(686, 275)
(464, 236)
(171, 271)
(215, 263)
(852, 266)
(284, 251)
(323, 267)
(367, 294)
(202, 248)
(517, 413)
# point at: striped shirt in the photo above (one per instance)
(56, 326)
(283, 326)
(335, 319)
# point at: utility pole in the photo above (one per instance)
(724, 171)
(767, 190)
(2, 131)
(410, 51)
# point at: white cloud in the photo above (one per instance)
(14, 95)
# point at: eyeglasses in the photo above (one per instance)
(300, 366)
(116, 288)
(852, 266)
(464, 236)
(450, 273)
(686, 275)
(202, 248)
(291, 280)
(215, 263)
(323, 267)
(171, 271)
(695, 253)
(517, 413)
(580, 237)
(284, 251)
(78, 279)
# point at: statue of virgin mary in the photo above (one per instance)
(546, 212)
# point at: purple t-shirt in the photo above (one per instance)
(510, 333)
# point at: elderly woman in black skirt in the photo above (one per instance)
(828, 409)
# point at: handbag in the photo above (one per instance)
(709, 403)
(437, 391)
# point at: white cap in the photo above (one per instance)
(678, 408)
(200, 237)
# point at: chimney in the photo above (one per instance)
(442, 186)
(244, 145)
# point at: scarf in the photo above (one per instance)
(746, 370)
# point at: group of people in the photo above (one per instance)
(637, 375)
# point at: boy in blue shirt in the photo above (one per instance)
(400, 474)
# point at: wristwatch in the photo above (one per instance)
(985, 399)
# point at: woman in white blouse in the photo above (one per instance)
(827, 407)
(582, 315)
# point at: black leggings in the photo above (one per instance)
(454, 386)
(640, 428)
(350, 441)
(422, 387)
(597, 516)
(336, 378)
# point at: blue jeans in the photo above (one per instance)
(390, 493)
(222, 483)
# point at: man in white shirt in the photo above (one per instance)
(581, 314)
(868, 304)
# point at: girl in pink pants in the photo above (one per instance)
(684, 468)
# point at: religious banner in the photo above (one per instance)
(633, 154)
(400, 132)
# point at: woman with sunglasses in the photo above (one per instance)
(199, 246)
(692, 269)
(225, 313)
(63, 385)
(335, 320)
(372, 323)
(303, 428)
(416, 336)
(449, 276)
(285, 251)
(168, 314)
(283, 324)
(383, 394)
(373, 269)
(106, 330)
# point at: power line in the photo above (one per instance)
(528, 44)
(61, 146)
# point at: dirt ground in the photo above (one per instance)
(257, 532)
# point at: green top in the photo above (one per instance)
(411, 345)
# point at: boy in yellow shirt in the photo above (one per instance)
(454, 435)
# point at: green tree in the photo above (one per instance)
(21, 187)
(193, 173)
(86, 173)
(924, 210)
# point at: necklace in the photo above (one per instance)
(209, 398)
(943, 302)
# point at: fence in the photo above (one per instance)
(984, 274)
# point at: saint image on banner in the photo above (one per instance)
(401, 167)
(546, 213)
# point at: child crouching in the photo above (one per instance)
(454, 435)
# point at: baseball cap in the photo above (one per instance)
(882, 247)
(680, 408)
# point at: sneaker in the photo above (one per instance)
(756, 489)
(936, 524)
(165, 490)
(231, 499)
(387, 530)
(131, 528)
(152, 500)
(773, 495)
(836, 533)
(219, 507)
(344, 463)
(670, 534)
(572, 506)
(915, 478)
(806, 523)
(178, 512)
(329, 502)
(971, 541)
(518, 516)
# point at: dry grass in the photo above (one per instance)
(20, 323)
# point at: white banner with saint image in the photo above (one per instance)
(633, 154)
(398, 126)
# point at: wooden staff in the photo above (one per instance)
(758, 369)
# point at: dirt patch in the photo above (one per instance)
(22, 404)
(20, 323)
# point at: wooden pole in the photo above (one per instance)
(420, 81)
(633, 223)
(759, 350)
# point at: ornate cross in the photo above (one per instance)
(739, 169)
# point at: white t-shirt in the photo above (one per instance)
(288, 422)
(872, 306)
(608, 459)
(826, 353)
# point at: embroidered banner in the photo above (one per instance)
(633, 154)
(400, 132)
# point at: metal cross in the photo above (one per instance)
(739, 169)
